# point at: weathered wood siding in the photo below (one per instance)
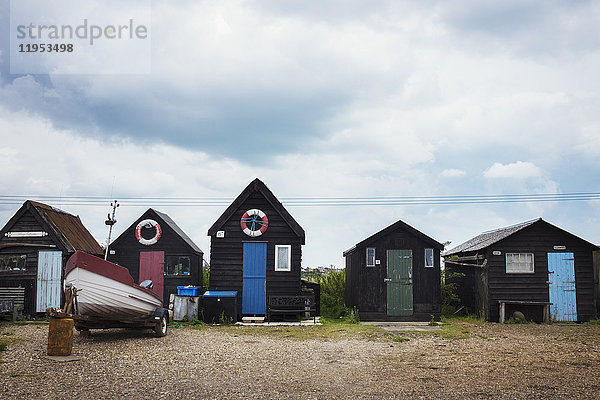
(481, 289)
(367, 290)
(597, 282)
(540, 240)
(226, 254)
(127, 254)
(28, 278)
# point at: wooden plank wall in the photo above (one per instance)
(539, 239)
(597, 282)
(368, 291)
(27, 278)
(127, 254)
(226, 254)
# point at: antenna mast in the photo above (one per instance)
(110, 221)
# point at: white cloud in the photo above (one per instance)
(516, 170)
(453, 173)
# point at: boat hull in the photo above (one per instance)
(105, 298)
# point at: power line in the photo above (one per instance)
(309, 201)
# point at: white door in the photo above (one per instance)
(48, 280)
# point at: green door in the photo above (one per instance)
(399, 283)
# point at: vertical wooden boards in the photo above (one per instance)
(152, 267)
(48, 280)
(254, 295)
(563, 296)
(399, 283)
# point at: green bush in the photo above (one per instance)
(450, 300)
(205, 276)
(333, 286)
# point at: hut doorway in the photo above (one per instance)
(254, 287)
(563, 295)
(399, 283)
(152, 266)
(48, 280)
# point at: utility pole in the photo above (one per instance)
(110, 221)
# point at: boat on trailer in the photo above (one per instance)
(101, 294)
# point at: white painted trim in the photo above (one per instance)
(432, 257)
(532, 271)
(367, 257)
(289, 257)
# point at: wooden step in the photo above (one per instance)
(258, 320)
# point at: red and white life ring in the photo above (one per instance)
(148, 223)
(254, 222)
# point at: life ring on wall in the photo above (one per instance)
(254, 222)
(148, 223)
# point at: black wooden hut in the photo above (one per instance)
(394, 275)
(34, 247)
(256, 250)
(533, 267)
(154, 247)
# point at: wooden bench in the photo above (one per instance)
(291, 305)
(503, 304)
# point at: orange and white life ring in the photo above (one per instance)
(254, 222)
(148, 223)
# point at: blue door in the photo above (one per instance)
(48, 289)
(563, 295)
(254, 289)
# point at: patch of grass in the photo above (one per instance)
(400, 339)
(14, 375)
(21, 322)
(194, 322)
(432, 321)
(8, 333)
(593, 322)
(331, 329)
(3, 345)
(462, 318)
(454, 331)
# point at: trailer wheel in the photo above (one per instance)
(160, 329)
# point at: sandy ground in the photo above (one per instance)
(494, 361)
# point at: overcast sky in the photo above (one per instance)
(328, 98)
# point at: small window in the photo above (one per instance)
(12, 262)
(370, 256)
(428, 258)
(283, 257)
(519, 263)
(178, 265)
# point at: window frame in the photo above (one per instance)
(17, 256)
(367, 257)
(432, 257)
(512, 262)
(289, 257)
(179, 256)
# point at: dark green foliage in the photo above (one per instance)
(450, 300)
(333, 286)
(205, 275)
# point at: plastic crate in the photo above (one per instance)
(188, 290)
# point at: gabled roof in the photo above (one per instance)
(489, 238)
(164, 219)
(257, 186)
(178, 230)
(385, 231)
(64, 227)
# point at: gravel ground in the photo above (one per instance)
(495, 361)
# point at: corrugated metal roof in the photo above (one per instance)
(68, 228)
(490, 237)
(178, 230)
